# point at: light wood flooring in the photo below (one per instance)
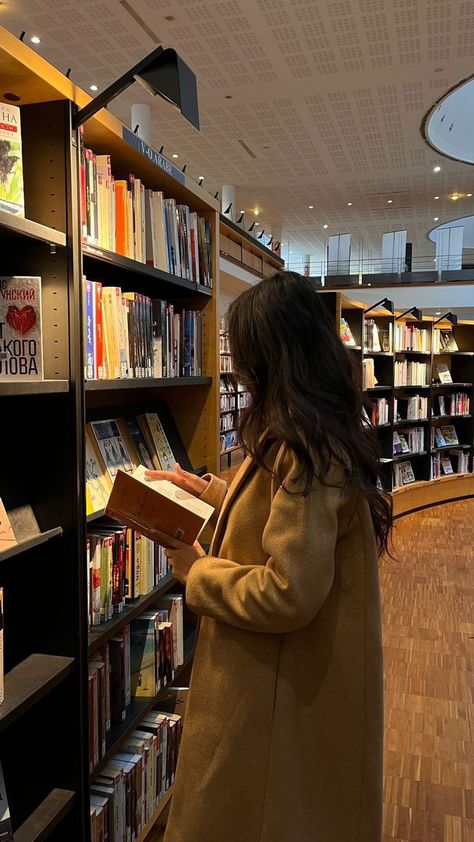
(428, 616)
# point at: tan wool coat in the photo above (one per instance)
(284, 731)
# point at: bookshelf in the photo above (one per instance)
(388, 364)
(47, 641)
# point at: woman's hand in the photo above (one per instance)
(180, 556)
(182, 479)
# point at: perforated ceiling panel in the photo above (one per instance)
(302, 102)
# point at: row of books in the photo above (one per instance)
(409, 441)
(228, 440)
(225, 364)
(123, 216)
(377, 336)
(457, 403)
(123, 444)
(380, 412)
(413, 408)
(402, 474)
(224, 342)
(128, 790)
(229, 421)
(443, 340)
(121, 566)
(444, 436)
(129, 335)
(410, 373)
(411, 338)
(453, 462)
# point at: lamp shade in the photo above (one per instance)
(170, 77)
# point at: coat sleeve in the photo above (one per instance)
(214, 495)
(287, 592)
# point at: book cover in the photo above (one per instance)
(7, 536)
(112, 447)
(162, 445)
(143, 661)
(404, 444)
(397, 445)
(98, 483)
(158, 504)
(139, 443)
(449, 434)
(447, 340)
(346, 333)
(439, 438)
(444, 373)
(12, 199)
(406, 472)
(446, 465)
(21, 352)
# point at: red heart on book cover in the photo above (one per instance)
(21, 320)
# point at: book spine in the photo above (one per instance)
(90, 360)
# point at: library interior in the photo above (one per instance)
(237, 403)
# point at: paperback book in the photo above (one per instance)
(21, 352)
(444, 374)
(12, 198)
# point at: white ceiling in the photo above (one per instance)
(327, 96)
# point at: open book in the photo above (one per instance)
(147, 505)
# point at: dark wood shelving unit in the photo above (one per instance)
(145, 383)
(47, 816)
(98, 635)
(18, 226)
(35, 387)
(30, 543)
(29, 682)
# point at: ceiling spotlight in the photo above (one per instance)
(35, 40)
(242, 211)
(257, 223)
(93, 88)
(175, 155)
(435, 197)
(311, 207)
(256, 212)
(349, 204)
(435, 218)
(389, 201)
(454, 196)
(325, 226)
(436, 169)
(201, 179)
(438, 313)
(469, 195)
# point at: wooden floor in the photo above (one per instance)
(428, 616)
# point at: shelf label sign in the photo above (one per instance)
(152, 155)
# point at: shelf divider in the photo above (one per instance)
(29, 682)
(46, 817)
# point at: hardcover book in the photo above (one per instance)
(444, 373)
(112, 447)
(407, 474)
(160, 441)
(446, 465)
(449, 434)
(21, 352)
(12, 197)
(98, 483)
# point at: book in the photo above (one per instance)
(161, 444)
(446, 465)
(397, 445)
(7, 536)
(449, 434)
(439, 438)
(346, 333)
(21, 341)
(445, 341)
(149, 505)
(12, 198)
(406, 473)
(112, 447)
(98, 484)
(444, 374)
(6, 828)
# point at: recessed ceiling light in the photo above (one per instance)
(35, 40)
(242, 211)
(435, 218)
(435, 197)
(93, 88)
(349, 204)
(311, 207)
(454, 196)
(256, 212)
(438, 313)
(469, 195)
(436, 169)
(257, 223)
(389, 201)
(325, 226)
(175, 155)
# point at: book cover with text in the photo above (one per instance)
(21, 352)
(12, 198)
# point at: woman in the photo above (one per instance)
(283, 733)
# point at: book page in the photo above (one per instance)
(172, 492)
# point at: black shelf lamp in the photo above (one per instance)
(413, 311)
(162, 72)
(384, 304)
(447, 317)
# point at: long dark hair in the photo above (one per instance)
(304, 390)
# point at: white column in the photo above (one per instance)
(228, 198)
(141, 117)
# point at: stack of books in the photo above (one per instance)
(129, 335)
(409, 441)
(122, 216)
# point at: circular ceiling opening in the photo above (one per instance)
(449, 125)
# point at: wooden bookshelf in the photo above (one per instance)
(424, 491)
(47, 672)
